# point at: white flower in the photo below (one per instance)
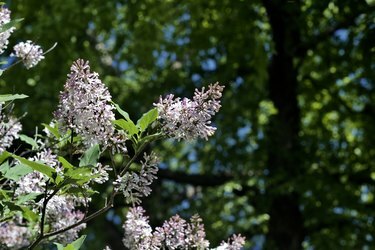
(85, 108)
(138, 233)
(175, 233)
(61, 213)
(9, 129)
(236, 242)
(4, 36)
(133, 185)
(195, 233)
(102, 171)
(190, 119)
(30, 53)
(14, 235)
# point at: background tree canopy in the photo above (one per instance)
(291, 165)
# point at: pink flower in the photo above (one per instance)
(190, 119)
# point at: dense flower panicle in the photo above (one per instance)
(190, 119)
(9, 129)
(138, 232)
(61, 213)
(236, 242)
(175, 233)
(13, 235)
(31, 183)
(85, 107)
(4, 36)
(30, 53)
(136, 185)
(196, 235)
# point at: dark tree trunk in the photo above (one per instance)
(286, 226)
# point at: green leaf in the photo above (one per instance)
(128, 126)
(90, 157)
(15, 173)
(65, 163)
(150, 138)
(4, 167)
(59, 246)
(77, 190)
(79, 175)
(54, 131)
(29, 215)
(4, 195)
(21, 199)
(5, 155)
(78, 242)
(40, 167)
(29, 141)
(75, 245)
(122, 112)
(147, 119)
(9, 97)
(10, 24)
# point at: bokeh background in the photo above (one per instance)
(292, 164)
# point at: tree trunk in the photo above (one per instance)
(286, 226)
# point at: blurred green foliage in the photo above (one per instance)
(291, 165)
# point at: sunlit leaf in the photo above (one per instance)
(90, 157)
(29, 141)
(147, 119)
(128, 126)
(9, 97)
(17, 172)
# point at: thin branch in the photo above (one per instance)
(44, 208)
(86, 219)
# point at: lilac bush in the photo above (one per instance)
(46, 189)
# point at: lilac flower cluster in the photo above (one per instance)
(14, 235)
(175, 233)
(30, 53)
(9, 129)
(60, 211)
(190, 119)
(138, 233)
(133, 185)
(85, 108)
(233, 243)
(4, 35)
(101, 172)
